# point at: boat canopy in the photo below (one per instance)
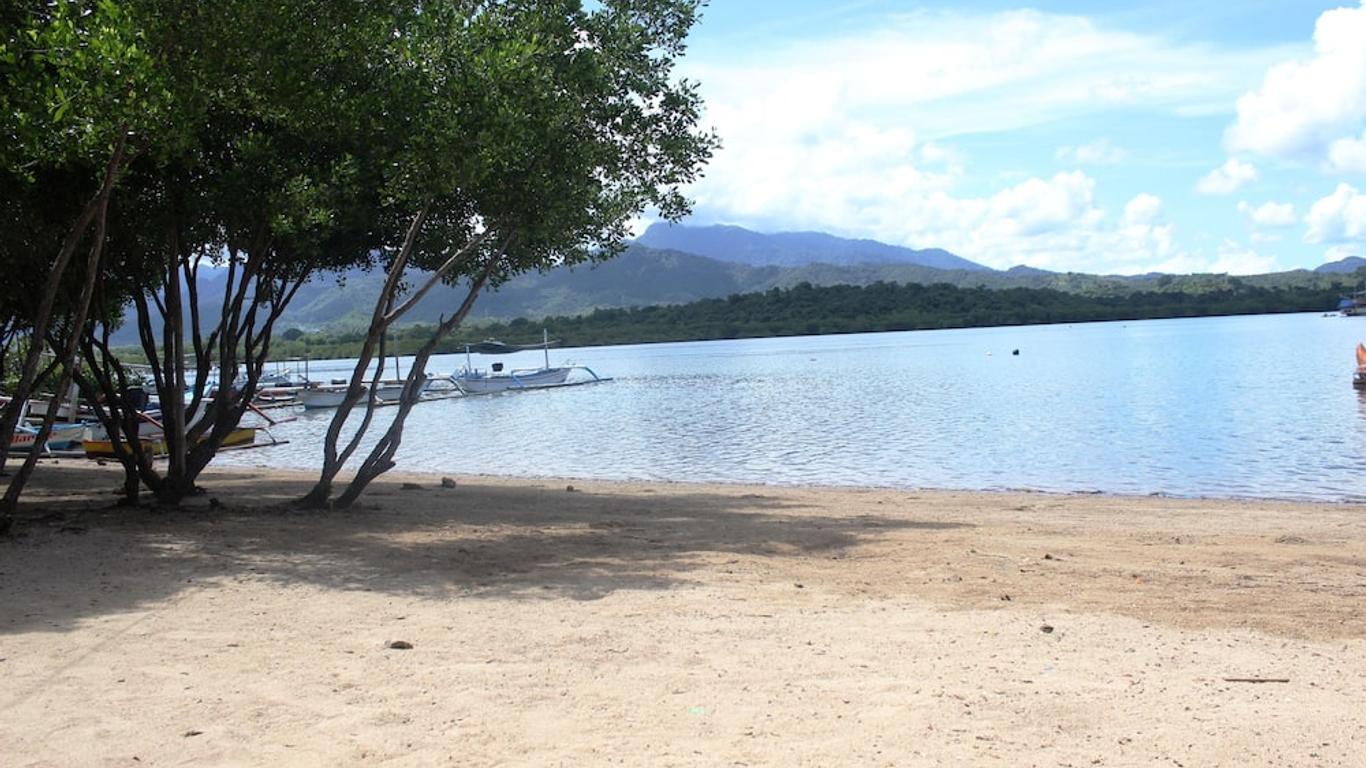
(493, 347)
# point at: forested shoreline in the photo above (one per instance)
(807, 310)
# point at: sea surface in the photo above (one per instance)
(1258, 406)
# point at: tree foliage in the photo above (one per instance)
(465, 139)
(537, 131)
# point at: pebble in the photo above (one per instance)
(401, 645)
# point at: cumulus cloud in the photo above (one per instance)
(939, 154)
(1270, 215)
(856, 133)
(1340, 252)
(1236, 259)
(1099, 152)
(1337, 218)
(1230, 258)
(1143, 209)
(1227, 178)
(1348, 155)
(1305, 105)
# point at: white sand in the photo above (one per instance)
(657, 625)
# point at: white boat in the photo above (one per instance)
(63, 437)
(1353, 306)
(475, 381)
(332, 395)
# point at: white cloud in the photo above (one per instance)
(1348, 155)
(1227, 178)
(1143, 209)
(940, 154)
(639, 224)
(1230, 258)
(1235, 259)
(1099, 152)
(1337, 218)
(855, 134)
(1304, 105)
(1340, 252)
(1037, 206)
(1270, 214)
(983, 72)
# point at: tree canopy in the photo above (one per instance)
(470, 139)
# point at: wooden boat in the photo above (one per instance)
(63, 437)
(331, 395)
(475, 381)
(1354, 305)
(100, 446)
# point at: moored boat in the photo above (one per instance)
(332, 395)
(63, 437)
(1354, 305)
(476, 381)
(100, 446)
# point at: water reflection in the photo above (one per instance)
(1256, 406)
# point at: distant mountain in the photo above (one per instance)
(1349, 264)
(792, 249)
(645, 276)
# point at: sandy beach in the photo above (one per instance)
(665, 624)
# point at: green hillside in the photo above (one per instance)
(808, 309)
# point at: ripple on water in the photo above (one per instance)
(1253, 406)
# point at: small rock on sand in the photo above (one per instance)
(401, 645)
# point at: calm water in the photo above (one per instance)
(1251, 406)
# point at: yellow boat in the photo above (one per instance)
(157, 445)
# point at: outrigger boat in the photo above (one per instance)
(1354, 305)
(63, 437)
(332, 395)
(474, 381)
(99, 446)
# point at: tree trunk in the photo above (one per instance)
(385, 314)
(382, 316)
(9, 416)
(69, 352)
(381, 457)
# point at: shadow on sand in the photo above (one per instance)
(76, 557)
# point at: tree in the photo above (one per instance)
(77, 86)
(266, 190)
(541, 129)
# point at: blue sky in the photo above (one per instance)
(1167, 136)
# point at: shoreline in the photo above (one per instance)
(1348, 501)
(676, 624)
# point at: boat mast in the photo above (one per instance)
(545, 344)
